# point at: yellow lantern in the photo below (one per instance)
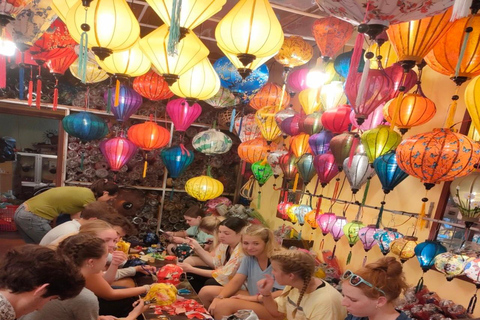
(93, 72)
(294, 52)
(265, 119)
(61, 7)
(190, 52)
(192, 13)
(113, 26)
(250, 30)
(310, 100)
(322, 73)
(291, 213)
(244, 71)
(472, 100)
(332, 95)
(204, 188)
(404, 248)
(379, 141)
(299, 144)
(389, 56)
(199, 83)
(128, 63)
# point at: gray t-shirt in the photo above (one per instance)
(60, 231)
(254, 273)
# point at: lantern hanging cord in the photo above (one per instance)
(468, 30)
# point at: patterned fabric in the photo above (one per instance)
(224, 271)
(6, 310)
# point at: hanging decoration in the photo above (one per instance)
(320, 142)
(373, 120)
(466, 195)
(118, 151)
(265, 119)
(332, 95)
(336, 230)
(182, 113)
(351, 233)
(129, 101)
(367, 237)
(311, 219)
(212, 142)
(291, 125)
(385, 238)
(337, 120)
(294, 52)
(300, 211)
(401, 79)
(222, 99)
(451, 265)
(358, 172)
(343, 146)
(379, 141)
(426, 253)
(61, 7)
(342, 63)
(262, 171)
(204, 188)
(287, 164)
(472, 100)
(85, 125)
(270, 95)
(152, 86)
(254, 150)
(383, 52)
(331, 34)
(299, 144)
(176, 159)
(310, 100)
(326, 221)
(284, 114)
(297, 80)
(472, 271)
(282, 208)
(273, 159)
(311, 124)
(249, 129)
(93, 72)
(306, 168)
(404, 247)
(326, 168)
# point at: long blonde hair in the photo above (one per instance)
(95, 226)
(264, 233)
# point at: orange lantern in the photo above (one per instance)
(415, 109)
(294, 52)
(310, 100)
(299, 144)
(331, 34)
(254, 150)
(311, 219)
(270, 96)
(265, 119)
(152, 86)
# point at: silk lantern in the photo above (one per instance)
(287, 164)
(332, 95)
(127, 63)
(254, 150)
(299, 144)
(386, 52)
(311, 124)
(342, 63)
(325, 222)
(426, 253)
(320, 142)
(129, 102)
(472, 271)
(249, 129)
(61, 7)
(465, 193)
(281, 115)
(148, 135)
(182, 113)
(400, 79)
(404, 247)
(85, 125)
(212, 142)
(367, 237)
(337, 120)
(270, 95)
(325, 167)
(262, 172)
(118, 151)
(152, 86)
(300, 211)
(351, 233)
(291, 126)
(472, 100)
(451, 265)
(294, 52)
(373, 120)
(176, 159)
(291, 213)
(222, 99)
(388, 171)
(311, 219)
(342, 146)
(93, 72)
(58, 66)
(358, 172)
(336, 231)
(273, 159)
(265, 119)
(331, 34)
(204, 188)
(379, 141)
(385, 237)
(282, 208)
(310, 100)
(306, 168)
(297, 80)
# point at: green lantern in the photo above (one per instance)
(351, 230)
(262, 171)
(379, 141)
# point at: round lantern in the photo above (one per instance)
(222, 99)
(306, 168)
(336, 231)
(331, 34)
(118, 151)
(182, 113)
(270, 96)
(294, 52)
(404, 248)
(358, 172)
(325, 167)
(439, 155)
(472, 100)
(341, 145)
(297, 80)
(254, 150)
(273, 160)
(386, 52)
(388, 171)
(342, 63)
(211, 142)
(332, 95)
(311, 124)
(127, 63)
(299, 144)
(325, 222)
(351, 233)
(176, 159)
(152, 86)
(204, 188)
(249, 129)
(93, 73)
(310, 100)
(451, 265)
(337, 120)
(148, 135)
(385, 238)
(291, 126)
(465, 192)
(129, 102)
(367, 237)
(265, 119)
(426, 253)
(85, 125)
(262, 172)
(379, 141)
(320, 142)
(189, 86)
(287, 164)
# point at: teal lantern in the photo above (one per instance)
(176, 160)
(300, 211)
(305, 168)
(426, 253)
(262, 171)
(212, 142)
(85, 125)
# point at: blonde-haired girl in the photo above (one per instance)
(304, 296)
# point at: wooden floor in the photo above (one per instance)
(9, 240)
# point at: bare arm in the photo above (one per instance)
(98, 285)
(232, 286)
(206, 256)
(265, 287)
(271, 305)
(118, 257)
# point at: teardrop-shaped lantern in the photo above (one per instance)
(306, 168)
(273, 159)
(311, 124)
(265, 119)
(388, 171)
(320, 142)
(300, 211)
(351, 231)
(118, 151)
(426, 253)
(337, 120)
(299, 144)
(287, 163)
(294, 52)
(404, 248)
(204, 188)
(332, 95)
(127, 63)
(325, 222)
(93, 72)
(262, 172)
(326, 168)
(129, 102)
(211, 142)
(358, 172)
(385, 237)
(310, 100)
(331, 34)
(152, 86)
(254, 150)
(311, 219)
(341, 146)
(366, 235)
(270, 96)
(297, 80)
(85, 125)
(222, 99)
(379, 141)
(182, 113)
(148, 135)
(281, 115)
(291, 126)
(249, 129)
(176, 159)
(342, 63)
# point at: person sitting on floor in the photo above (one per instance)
(31, 276)
(304, 297)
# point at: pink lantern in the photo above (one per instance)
(337, 231)
(337, 120)
(326, 221)
(373, 120)
(118, 151)
(367, 236)
(282, 208)
(297, 80)
(182, 114)
(326, 168)
(213, 203)
(396, 74)
(291, 126)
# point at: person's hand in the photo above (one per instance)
(245, 297)
(106, 318)
(187, 267)
(193, 243)
(118, 257)
(169, 234)
(265, 285)
(146, 269)
(212, 307)
(177, 240)
(139, 307)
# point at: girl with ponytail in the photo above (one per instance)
(304, 296)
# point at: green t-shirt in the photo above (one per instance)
(51, 203)
(198, 235)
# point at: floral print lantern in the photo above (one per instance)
(451, 265)
(204, 188)
(211, 142)
(222, 99)
(404, 248)
(465, 192)
(246, 128)
(385, 237)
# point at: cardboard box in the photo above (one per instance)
(6, 176)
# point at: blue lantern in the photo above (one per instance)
(129, 101)
(176, 159)
(342, 63)
(85, 125)
(320, 142)
(385, 237)
(306, 169)
(388, 171)
(426, 253)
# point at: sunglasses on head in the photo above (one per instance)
(355, 280)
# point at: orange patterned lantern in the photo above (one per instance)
(152, 86)
(294, 52)
(331, 34)
(310, 100)
(265, 119)
(299, 144)
(254, 150)
(270, 96)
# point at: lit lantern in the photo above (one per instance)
(337, 120)
(306, 168)
(400, 79)
(265, 119)
(386, 52)
(367, 237)
(85, 125)
(222, 99)
(204, 188)
(450, 155)
(61, 7)
(310, 100)
(190, 52)
(297, 80)
(249, 128)
(284, 114)
(129, 102)
(379, 141)
(182, 113)
(211, 142)
(282, 208)
(465, 192)
(341, 147)
(325, 222)
(250, 30)
(118, 151)
(426, 253)
(332, 95)
(311, 219)
(270, 96)
(342, 63)
(320, 142)
(351, 233)
(122, 33)
(176, 159)
(291, 213)
(93, 74)
(323, 73)
(358, 172)
(262, 172)
(404, 247)
(287, 164)
(299, 144)
(311, 124)
(325, 167)
(331, 34)
(231, 79)
(472, 100)
(294, 52)
(388, 171)
(190, 87)
(385, 237)
(337, 231)
(254, 150)
(291, 126)
(148, 135)
(273, 159)
(451, 265)
(127, 63)
(300, 211)
(152, 86)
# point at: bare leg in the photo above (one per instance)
(195, 261)
(226, 307)
(208, 293)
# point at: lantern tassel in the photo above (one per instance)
(452, 110)
(3, 72)
(117, 93)
(145, 168)
(30, 89)
(349, 257)
(322, 243)
(333, 252)
(174, 31)
(317, 210)
(259, 199)
(232, 119)
(109, 100)
(55, 95)
(461, 9)
(365, 192)
(21, 78)
(422, 221)
(468, 30)
(38, 98)
(472, 303)
(83, 55)
(419, 286)
(364, 262)
(380, 214)
(363, 83)
(295, 183)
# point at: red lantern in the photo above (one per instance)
(118, 151)
(152, 86)
(326, 168)
(399, 78)
(270, 96)
(337, 120)
(331, 34)
(287, 164)
(59, 65)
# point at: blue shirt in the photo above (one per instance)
(401, 316)
(254, 273)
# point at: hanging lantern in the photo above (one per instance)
(342, 63)
(472, 271)
(254, 150)
(426, 253)
(320, 142)
(261, 172)
(212, 142)
(404, 247)
(176, 159)
(282, 208)
(59, 65)
(306, 168)
(122, 33)
(182, 113)
(351, 233)
(385, 237)
(472, 100)
(337, 120)
(270, 96)
(250, 30)
(358, 172)
(152, 86)
(386, 52)
(326, 221)
(204, 188)
(265, 119)
(291, 213)
(342, 146)
(325, 167)
(287, 164)
(291, 126)
(379, 141)
(311, 219)
(373, 120)
(85, 125)
(336, 231)
(61, 7)
(331, 34)
(222, 99)
(148, 135)
(388, 171)
(451, 265)
(297, 80)
(310, 100)
(284, 114)
(367, 237)
(118, 151)
(311, 124)
(9, 10)
(127, 63)
(190, 52)
(93, 72)
(249, 129)
(299, 144)
(129, 102)
(332, 95)
(400, 79)
(465, 193)
(190, 87)
(294, 52)
(450, 155)
(300, 211)
(273, 159)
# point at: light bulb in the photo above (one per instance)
(317, 76)
(7, 47)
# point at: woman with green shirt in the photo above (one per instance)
(34, 216)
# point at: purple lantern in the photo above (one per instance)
(337, 231)
(297, 80)
(128, 102)
(367, 236)
(118, 151)
(325, 222)
(372, 121)
(284, 114)
(291, 125)
(183, 114)
(320, 142)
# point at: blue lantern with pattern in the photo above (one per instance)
(176, 160)
(426, 253)
(85, 125)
